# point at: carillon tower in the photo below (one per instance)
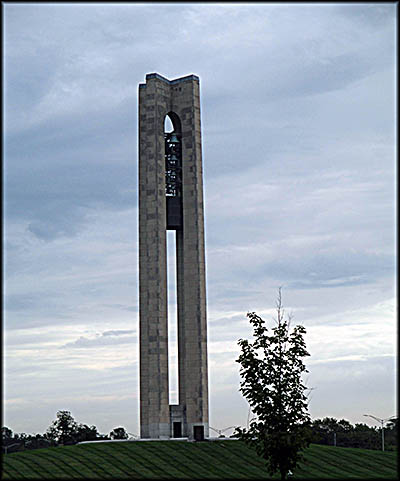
(171, 198)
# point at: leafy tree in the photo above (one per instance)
(344, 426)
(66, 430)
(361, 427)
(6, 434)
(85, 433)
(118, 433)
(63, 428)
(322, 430)
(271, 370)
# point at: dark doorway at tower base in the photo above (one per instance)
(198, 433)
(177, 430)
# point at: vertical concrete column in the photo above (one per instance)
(154, 101)
(192, 317)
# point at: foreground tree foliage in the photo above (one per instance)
(271, 370)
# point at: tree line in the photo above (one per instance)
(331, 431)
(64, 430)
(328, 431)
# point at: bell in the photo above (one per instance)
(174, 138)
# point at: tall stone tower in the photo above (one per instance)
(171, 198)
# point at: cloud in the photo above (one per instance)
(90, 277)
(366, 14)
(120, 332)
(355, 378)
(106, 338)
(56, 193)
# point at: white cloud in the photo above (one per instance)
(107, 338)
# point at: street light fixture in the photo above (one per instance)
(381, 421)
(220, 431)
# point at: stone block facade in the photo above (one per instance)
(180, 100)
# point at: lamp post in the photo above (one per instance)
(220, 431)
(381, 421)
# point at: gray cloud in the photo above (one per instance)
(356, 378)
(106, 338)
(375, 15)
(120, 332)
(54, 191)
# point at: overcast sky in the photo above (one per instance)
(298, 118)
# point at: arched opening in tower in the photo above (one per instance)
(173, 193)
(173, 171)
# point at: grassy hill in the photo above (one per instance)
(183, 460)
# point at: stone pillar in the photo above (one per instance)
(180, 99)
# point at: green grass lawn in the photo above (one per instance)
(183, 460)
